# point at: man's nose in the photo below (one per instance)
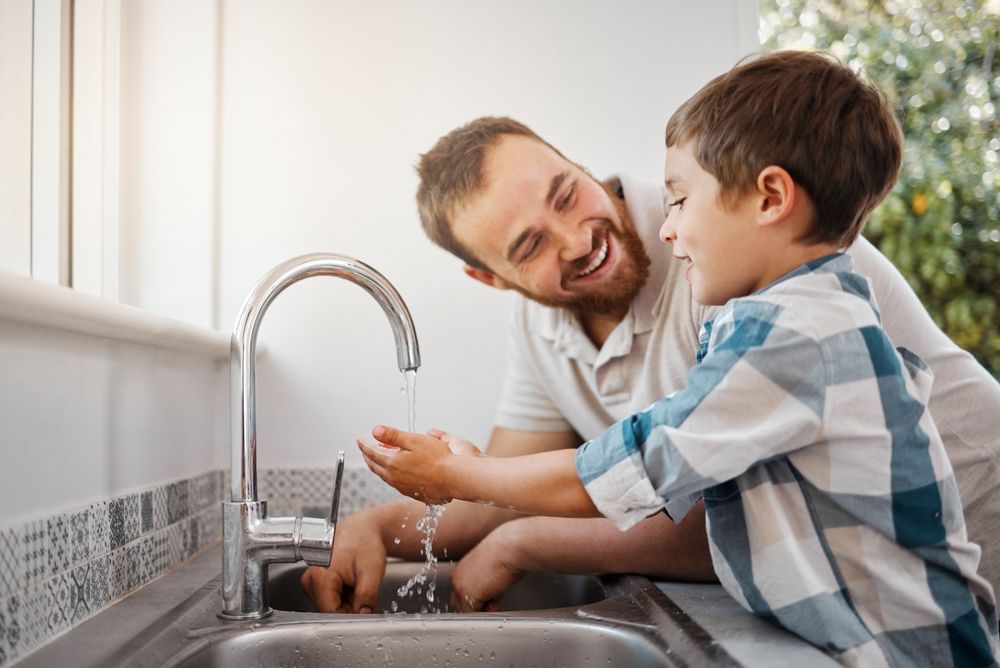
(576, 242)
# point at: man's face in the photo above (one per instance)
(547, 229)
(720, 244)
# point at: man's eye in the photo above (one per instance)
(532, 249)
(564, 202)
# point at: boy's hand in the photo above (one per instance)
(417, 466)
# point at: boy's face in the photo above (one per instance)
(723, 246)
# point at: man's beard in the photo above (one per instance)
(630, 274)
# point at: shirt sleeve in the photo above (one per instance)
(759, 393)
(525, 404)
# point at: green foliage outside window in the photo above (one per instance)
(937, 59)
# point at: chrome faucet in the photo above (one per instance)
(250, 539)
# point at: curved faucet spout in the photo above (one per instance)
(243, 418)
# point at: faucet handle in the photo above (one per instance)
(335, 507)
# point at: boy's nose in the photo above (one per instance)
(667, 233)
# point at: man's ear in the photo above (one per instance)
(485, 276)
(776, 195)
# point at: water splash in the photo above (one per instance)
(427, 575)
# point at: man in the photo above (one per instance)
(606, 327)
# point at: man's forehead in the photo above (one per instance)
(521, 175)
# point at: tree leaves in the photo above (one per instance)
(937, 60)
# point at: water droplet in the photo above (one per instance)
(396, 540)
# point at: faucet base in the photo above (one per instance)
(245, 617)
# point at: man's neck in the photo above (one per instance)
(598, 326)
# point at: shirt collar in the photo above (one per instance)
(835, 263)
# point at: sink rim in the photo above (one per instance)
(634, 605)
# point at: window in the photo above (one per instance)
(941, 224)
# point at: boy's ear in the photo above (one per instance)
(776, 194)
(485, 276)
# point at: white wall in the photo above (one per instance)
(97, 398)
(326, 107)
(236, 134)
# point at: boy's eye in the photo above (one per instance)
(679, 203)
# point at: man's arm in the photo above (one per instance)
(655, 547)
(367, 537)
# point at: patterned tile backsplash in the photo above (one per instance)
(58, 571)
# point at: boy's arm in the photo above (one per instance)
(760, 394)
(437, 470)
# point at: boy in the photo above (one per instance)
(832, 508)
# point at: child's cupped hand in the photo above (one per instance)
(416, 465)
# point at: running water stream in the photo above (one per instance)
(426, 577)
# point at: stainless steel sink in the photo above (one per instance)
(549, 620)
(536, 591)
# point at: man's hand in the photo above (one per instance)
(487, 571)
(351, 582)
(415, 465)
(655, 547)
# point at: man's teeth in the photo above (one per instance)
(597, 260)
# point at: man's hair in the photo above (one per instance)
(451, 174)
(835, 134)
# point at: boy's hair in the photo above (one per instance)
(836, 135)
(451, 174)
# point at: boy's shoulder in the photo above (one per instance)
(818, 300)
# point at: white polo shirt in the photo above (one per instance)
(557, 379)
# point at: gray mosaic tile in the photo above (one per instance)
(79, 536)
(35, 552)
(133, 518)
(11, 568)
(194, 529)
(203, 491)
(133, 561)
(317, 484)
(100, 529)
(10, 631)
(118, 569)
(210, 526)
(79, 585)
(98, 592)
(116, 523)
(175, 545)
(280, 483)
(177, 501)
(160, 516)
(320, 512)
(353, 492)
(59, 545)
(33, 623)
(159, 554)
(223, 478)
(146, 511)
(60, 600)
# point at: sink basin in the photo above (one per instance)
(549, 620)
(535, 591)
(430, 642)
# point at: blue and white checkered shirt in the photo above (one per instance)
(832, 507)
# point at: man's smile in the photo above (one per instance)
(598, 259)
(598, 262)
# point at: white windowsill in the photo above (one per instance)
(37, 303)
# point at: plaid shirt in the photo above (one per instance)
(832, 507)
